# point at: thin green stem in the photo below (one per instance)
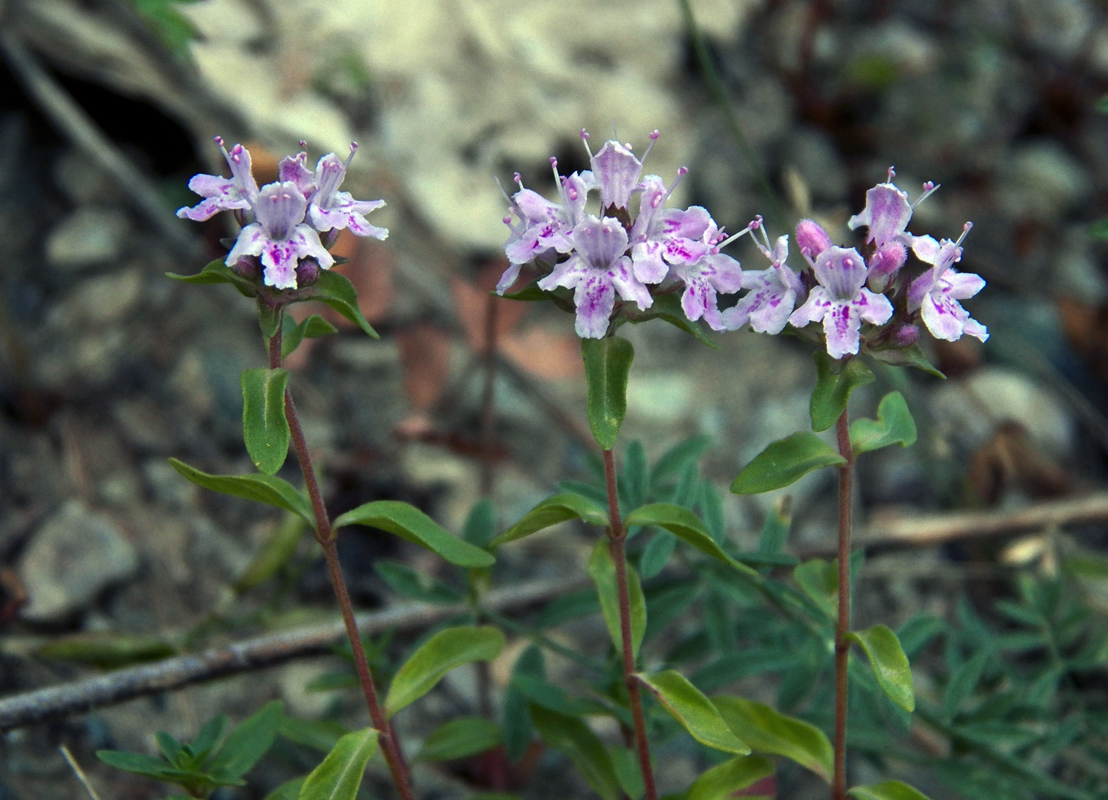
(325, 535)
(842, 644)
(617, 537)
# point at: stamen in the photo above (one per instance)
(753, 226)
(928, 189)
(965, 229)
(585, 139)
(892, 174)
(303, 144)
(349, 158)
(653, 138)
(219, 141)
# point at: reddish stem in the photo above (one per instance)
(617, 538)
(842, 645)
(325, 535)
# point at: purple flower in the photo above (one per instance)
(544, 227)
(331, 209)
(596, 269)
(887, 213)
(616, 171)
(841, 302)
(280, 236)
(811, 238)
(936, 292)
(667, 237)
(706, 275)
(772, 292)
(223, 194)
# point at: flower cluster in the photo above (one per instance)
(600, 257)
(664, 250)
(288, 215)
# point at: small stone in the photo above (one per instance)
(72, 558)
(102, 301)
(87, 237)
(1043, 181)
(82, 179)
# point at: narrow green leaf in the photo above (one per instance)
(693, 710)
(441, 653)
(274, 554)
(340, 774)
(723, 780)
(602, 570)
(575, 739)
(248, 742)
(289, 790)
(607, 367)
(673, 461)
(269, 318)
(264, 425)
(887, 790)
(819, 580)
(107, 650)
(480, 525)
(518, 729)
(767, 730)
(415, 585)
(963, 681)
(318, 735)
(907, 357)
(634, 478)
(139, 764)
(266, 489)
(832, 391)
(460, 738)
(625, 762)
(686, 526)
(409, 523)
(656, 554)
(217, 272)
(559, 508)
(775, 530)
(209, 736)
(894, 425)
(889, 663)
(336, 291)
(171, 749)
(785, 461)
(918, 632)
(311, 327)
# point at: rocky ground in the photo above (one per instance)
(108, 368)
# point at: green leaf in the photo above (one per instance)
(209, 736)
(819, 580)
(217, 272)
(289, 790)
(139, 764)
(907, 357)
(963, 681)
(894, 425)
(315, 734)
(832, 391)
(673, 461)
(693, 710)
(775, 530)
(667, 307)
(311, 327)
(415, 585)
(656, 554)
(107, 650)
(264, 425)
(269, 318)
(336, 291)
(634, 478)
(480, 525)
(441, 653)
(723, 780)
(340, 774)
(686, 526)
(785, 461)
(248, 742)
(559, 508)
(602, 570)
(517, 719)
(887, 790)
(607, 367)
(768, 731)
(889, 663)
(625, 762)
(460, 738)
(575, 739)
(172, 750)
(411, 524)
(260, 488)
(273, 555)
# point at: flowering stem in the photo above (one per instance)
(617, 537)
(325, 535)
(842, 645)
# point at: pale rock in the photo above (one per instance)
(86, 237)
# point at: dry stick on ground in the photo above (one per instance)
(245, 656)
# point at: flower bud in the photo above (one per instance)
(307, 272)
(811, 238)
(906, 335)
(249, 267)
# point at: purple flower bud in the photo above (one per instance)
(906, 335)
(811, 238)
(249, 267)
(307, 272)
